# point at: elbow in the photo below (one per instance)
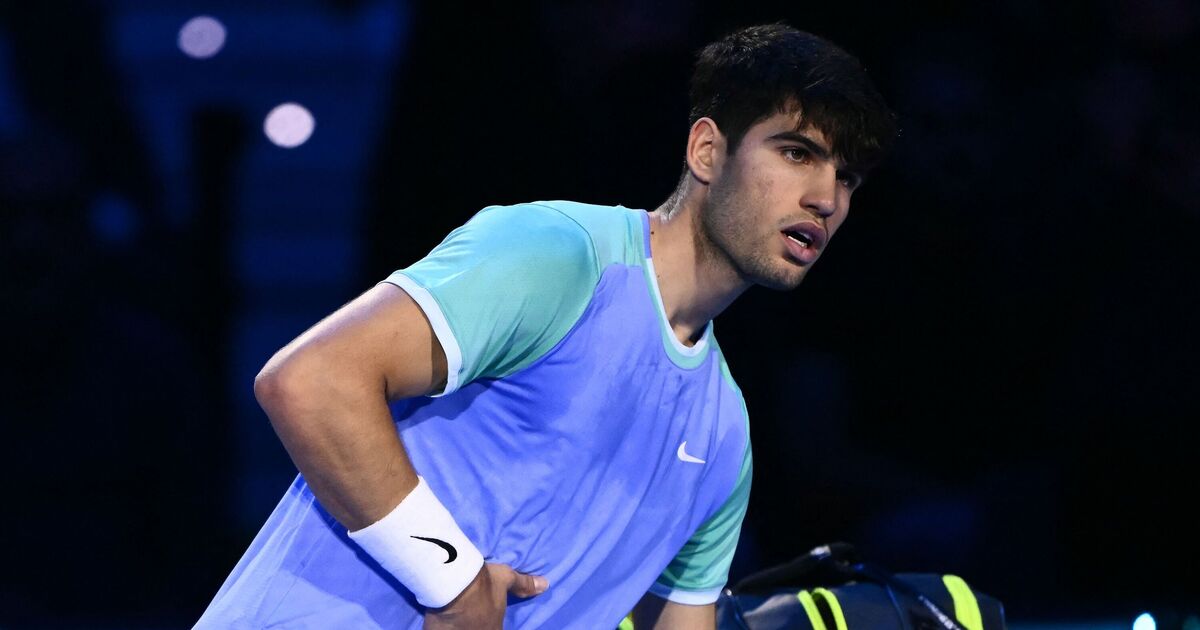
(299, 386)
(280, 386)
(267, 386)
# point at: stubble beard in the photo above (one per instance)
(725, 236)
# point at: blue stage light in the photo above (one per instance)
(1144, 621)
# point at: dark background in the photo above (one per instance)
(992, 373)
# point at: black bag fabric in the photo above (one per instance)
(830, 588)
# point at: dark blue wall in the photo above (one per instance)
(991, 373)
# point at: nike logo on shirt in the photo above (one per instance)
(684, 457)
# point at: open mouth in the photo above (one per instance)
(803, 239)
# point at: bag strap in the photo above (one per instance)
(823, 566)
(880, 576)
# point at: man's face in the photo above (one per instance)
(776, 202)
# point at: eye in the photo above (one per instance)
(797, 154)
(849, 179)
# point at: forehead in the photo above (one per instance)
(785, 122)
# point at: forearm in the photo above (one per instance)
(338, 430)
(654, 613)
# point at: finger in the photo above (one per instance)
(524, 585)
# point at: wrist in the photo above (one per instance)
(420, 544)
(453, 609)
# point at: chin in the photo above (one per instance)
(782, 280)
(784, 286)
(770, 270)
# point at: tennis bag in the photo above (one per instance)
(829, 588)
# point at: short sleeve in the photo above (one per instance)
(700, 570)
(503, 289)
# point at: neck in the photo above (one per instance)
(697, 281)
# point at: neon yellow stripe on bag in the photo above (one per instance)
(966, 607)
(626, 623)
(834, 606)
(810, 607)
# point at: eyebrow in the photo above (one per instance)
(799, 138)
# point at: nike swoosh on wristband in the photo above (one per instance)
(684, 457)
(443, 544)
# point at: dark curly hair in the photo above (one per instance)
(757, 71)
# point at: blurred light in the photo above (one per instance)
(289, 125)
(1144, 621)
(1191, 623)
(202, 37)
(114, 220)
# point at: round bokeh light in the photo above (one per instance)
(202, 37)
(289, 125)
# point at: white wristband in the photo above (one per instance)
(420, 544)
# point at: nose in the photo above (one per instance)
(820, 197)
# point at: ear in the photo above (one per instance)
(705, 150)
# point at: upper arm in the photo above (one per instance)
(655, 613)
(490, 298)
(325, 396)
(381, 339)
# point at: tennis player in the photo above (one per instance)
(534, 425)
